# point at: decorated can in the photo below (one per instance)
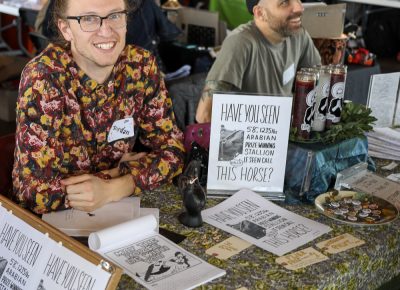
(303, 105)
(336, 94)
(321, 98)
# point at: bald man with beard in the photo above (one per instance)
(261, 56)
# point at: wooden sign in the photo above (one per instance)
(34, 255)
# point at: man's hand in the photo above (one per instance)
(86, 192)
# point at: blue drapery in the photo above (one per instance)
(305, 180)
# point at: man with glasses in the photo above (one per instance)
(262, 55)
(83, 103)
(146, 27)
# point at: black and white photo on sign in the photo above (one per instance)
(249, 228)
(253, 133)
(41, 285)
(3, 265)
(230, 144)
(165, 267)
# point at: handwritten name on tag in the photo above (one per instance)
(301, 259)
(228, 248)
(121, 129)
(339, 244)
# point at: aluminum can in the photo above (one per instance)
(336, 94)
(303, 105)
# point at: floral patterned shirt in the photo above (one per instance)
(64, 118)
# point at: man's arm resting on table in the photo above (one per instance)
(203, 113)
(88, 192)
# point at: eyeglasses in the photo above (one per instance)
(90, 23)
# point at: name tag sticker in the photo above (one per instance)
(121, 129)
(288, 74)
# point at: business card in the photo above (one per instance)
(301, 259)
(228, 248)
(339, 244)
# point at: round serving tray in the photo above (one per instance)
(357, 208)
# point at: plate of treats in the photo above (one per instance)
(357, 208)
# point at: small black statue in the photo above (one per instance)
(193, 196)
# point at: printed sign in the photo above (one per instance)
(149, 258)
(382, 99)
(251, 134)
(31, 260)
(254, 219)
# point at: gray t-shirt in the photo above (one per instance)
(251, 63)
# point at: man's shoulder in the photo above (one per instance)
(246, 31)
(244, 36)
(52, 58)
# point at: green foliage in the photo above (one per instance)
(355, 120)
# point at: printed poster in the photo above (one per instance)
(63, 269)
(249, 141)
(22, 251)
(155, 261)
(149, 258)
(31, 260)
(256, 220)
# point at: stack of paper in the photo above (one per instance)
(78, 223)
(384, 143)
(149, 258)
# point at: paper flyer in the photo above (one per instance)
(251, 134)
(252, 218)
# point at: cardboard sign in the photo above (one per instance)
(324, 21)
(249, 141)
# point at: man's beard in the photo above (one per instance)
(284, 29)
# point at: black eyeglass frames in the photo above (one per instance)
(90, 23)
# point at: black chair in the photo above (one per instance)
(27, 18)
(7, 145)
